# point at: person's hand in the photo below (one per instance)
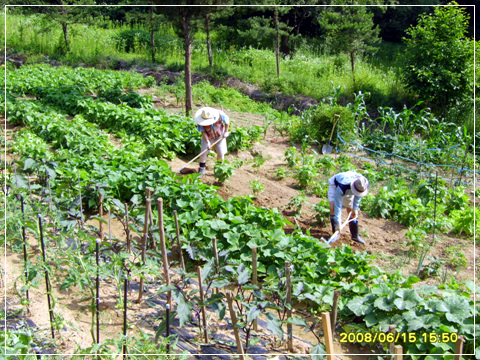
(227, 134)
(209, 145)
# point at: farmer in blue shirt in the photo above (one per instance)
(213, 125)
(346, 189)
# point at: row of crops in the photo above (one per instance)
(68, 161)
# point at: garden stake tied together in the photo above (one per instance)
(203, 152)
(336, 234)
(327, 149)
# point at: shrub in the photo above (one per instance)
(223, 171)
(131, 40)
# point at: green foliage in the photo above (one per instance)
(463, 221)
(297, 202)
(132, 40)
(439, 57)
(223, 171)
(322, 210)
(256, 187)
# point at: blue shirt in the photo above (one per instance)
(342, 182)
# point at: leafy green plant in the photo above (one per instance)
(297, 202)
(223, 171)
(322, 209)
(292, 156)
(455, 257)
(281, 173)
(256, 186)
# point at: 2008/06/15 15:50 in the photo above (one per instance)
(410, 337)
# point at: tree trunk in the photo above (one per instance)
(152, 35)
(65, 35)
(352, 62)
(187, 35)
(209, 44)
(277, 42)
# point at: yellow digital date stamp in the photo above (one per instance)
(405, 337)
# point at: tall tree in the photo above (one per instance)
(439, 57)
(349, 29)
(183, 15)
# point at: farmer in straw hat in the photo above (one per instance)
(213, 125)
(347, 189)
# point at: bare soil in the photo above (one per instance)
(385, 240)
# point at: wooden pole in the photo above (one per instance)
(235, 329)
(125, 287)
(459, 347)
(202, 299)
(144, 245)
(100, 214)
(327, 330)
(167, 307)
(398, 352)
(182, 260)
(80, 195)
(25, 256)
(336, 297)
(217, 260)
(109, 227)
(164, 248)
(392, 329)
(97, 299)
(127, 229)
(47, 280)
(289, 305)
(254, 279)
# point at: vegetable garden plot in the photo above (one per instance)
(371, 299)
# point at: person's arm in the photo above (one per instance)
(356, 205)
(226, 121)
(205, 137)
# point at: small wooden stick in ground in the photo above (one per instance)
(459, 348)
(289, 308)
(327, 330)
(182, 261)
(254, 279)
(202, 299)
(398, 352)
(164, 248)
(235, 329)
(392, 329)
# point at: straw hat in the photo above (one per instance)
(206, 116)
(360, 186)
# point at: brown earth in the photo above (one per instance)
(385, 240)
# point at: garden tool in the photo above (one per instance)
(203, 152)
(327, 149)
(336, 234)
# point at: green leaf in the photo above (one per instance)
(318, 352)
(296, 321)
(359, 306)
(456, 308)
(253, 312)
(184, 308)
(274, 325)
(407, 299)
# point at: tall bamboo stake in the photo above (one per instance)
(25, 256)
(336, 297)
(125, 288)
(144, 246)
(254, 279)
(47, 280)
(164, 248)
(100, 214)
(80, 195)
(289, 306)
(235, 329)
(202, 299)
(97, 299)
(178, 241)
(127, 229)
(217, 260)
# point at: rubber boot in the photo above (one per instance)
(335, 224)
(201, 171)
(354, 231)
